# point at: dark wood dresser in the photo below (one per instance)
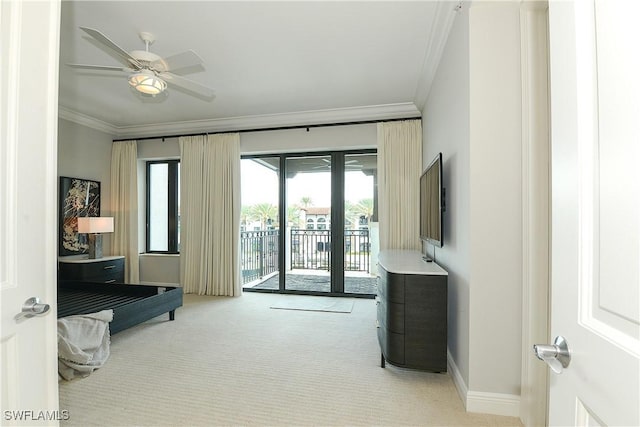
(412, 311)
(109, 269)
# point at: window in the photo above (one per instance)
(163, 206)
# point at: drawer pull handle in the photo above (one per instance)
(110, 281)
(109, 267)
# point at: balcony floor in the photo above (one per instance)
(301, 281)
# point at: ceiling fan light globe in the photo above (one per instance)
(147, 82)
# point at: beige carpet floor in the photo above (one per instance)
(234, 361)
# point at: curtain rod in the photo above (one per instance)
(307, 127)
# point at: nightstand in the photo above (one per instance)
(109, 269)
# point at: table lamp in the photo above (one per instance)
(94, 226)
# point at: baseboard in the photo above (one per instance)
(493, 403)
(458, 381)
(483, 402)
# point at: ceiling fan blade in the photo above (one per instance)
(187, 84)
(177, 61)
(101, 68)
(104, 40)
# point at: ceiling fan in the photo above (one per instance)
(149, 73)
(348, 164)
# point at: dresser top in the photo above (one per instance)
(81, 259)
(401, 261)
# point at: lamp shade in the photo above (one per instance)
(146, 81)
(95, 224)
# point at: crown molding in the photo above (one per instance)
(88, 121)
(317, 117)
(440, 28)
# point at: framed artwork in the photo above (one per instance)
(78, 197)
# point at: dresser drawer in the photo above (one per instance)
(104, 271)
(392, 346)
(381, 283)
(391, 315)
(391, 286)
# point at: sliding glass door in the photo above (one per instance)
(360, 223)
(327, 236)
(308, 238)
(259, 223)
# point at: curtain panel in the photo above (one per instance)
(124, 205)
(399, 169)
(210, 214)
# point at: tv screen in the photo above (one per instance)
(431, 203)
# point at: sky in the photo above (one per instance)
(260, 185)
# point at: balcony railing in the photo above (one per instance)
(310, 250)
(357, 250)
(258, 254)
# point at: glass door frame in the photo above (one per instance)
(337, 220)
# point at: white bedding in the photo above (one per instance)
(83, 343)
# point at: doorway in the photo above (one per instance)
(327, 200)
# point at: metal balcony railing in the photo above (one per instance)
(258, 254)
(310, 250)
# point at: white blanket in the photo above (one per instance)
(83, 343)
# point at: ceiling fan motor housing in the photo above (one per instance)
(144, 57)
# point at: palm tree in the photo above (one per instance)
(364, 208)
(350, 215)
(293, 216)
(245, 214)
(263, 212)
(305, 202)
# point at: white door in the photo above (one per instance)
(29, 37)
(595, 134)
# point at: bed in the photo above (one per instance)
(131, 304)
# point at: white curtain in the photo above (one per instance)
(124, 205)
(210, 214)
(399, 169)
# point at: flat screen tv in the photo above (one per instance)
(432, 202)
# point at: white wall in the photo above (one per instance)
(160, 269)
(445, 127)
(150, 149)
(473, 116)
(86, 153)
(496, 199)
(316, 139)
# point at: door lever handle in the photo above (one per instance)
(556, 355)
(33, 307)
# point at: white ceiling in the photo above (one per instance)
(270, 63)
